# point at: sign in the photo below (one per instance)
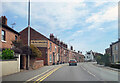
(39, 43)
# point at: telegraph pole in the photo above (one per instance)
(28, 56)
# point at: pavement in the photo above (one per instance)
(83, 72)
(106, 67)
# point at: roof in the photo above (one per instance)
(9, 28)
(42, 35)
(115, 42)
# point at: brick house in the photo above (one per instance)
(7, 34)
(51, 48)
(79, 57)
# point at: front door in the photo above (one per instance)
(53, 57)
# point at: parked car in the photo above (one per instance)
(73, 62)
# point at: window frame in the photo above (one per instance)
(50, 56)
(16, 37)
(50, 46)
(3, 38)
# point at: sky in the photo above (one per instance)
(86, 25)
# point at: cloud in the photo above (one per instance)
(57, 15)
(15, 17)
(77, 33)
(99, 3)
(111, 14)
(17, 8)
(85, 22)
(60, 1)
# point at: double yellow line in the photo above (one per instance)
(46, 75)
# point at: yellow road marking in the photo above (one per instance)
(38, 75)
(46, 75)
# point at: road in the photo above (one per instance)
(81, 72)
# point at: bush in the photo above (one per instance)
(7, 54)
(106, 59)
(35, 51)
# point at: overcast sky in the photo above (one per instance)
(82, 24)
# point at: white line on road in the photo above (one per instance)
(91, 73)
(88, 71)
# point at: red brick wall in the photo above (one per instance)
(36, 63)
(44, 55)
(9, 37)
(34, 35)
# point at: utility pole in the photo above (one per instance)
(28, 56)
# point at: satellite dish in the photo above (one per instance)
(13, 24)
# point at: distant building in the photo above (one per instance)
(108, 51)
(115, 51)
(89, 56)
(7, 34)
(79, 57)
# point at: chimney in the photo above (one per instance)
(58, 42)
(61, 43)
(52, 37)
(3, 20)
(55, 40)
(78, 51)
(71, 47)
(66, 46)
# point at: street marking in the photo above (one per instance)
(88, 71)
(91, 73)
(38, 75)
(46, 75)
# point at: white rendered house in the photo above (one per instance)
(89, 56)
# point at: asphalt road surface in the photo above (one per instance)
(81, 72)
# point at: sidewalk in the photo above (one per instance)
(107, 67)
(27, 74)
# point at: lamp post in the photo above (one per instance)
(27, 65)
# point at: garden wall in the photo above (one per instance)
(35, 64)
(10, 66)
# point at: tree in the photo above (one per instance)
(17, 45)
(24, 49)
(98, 58)
(35, 51)
(107, 59)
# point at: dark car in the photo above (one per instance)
(72, 62)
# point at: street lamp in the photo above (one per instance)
(27, 65)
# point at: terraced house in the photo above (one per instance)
(7, 34)
(52, 49)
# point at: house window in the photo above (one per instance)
(3, 35)
(116, 47)
(55, 49)
(50, 46)
(15, 37)
(64, 51)
(58, 49)
(50, 58)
